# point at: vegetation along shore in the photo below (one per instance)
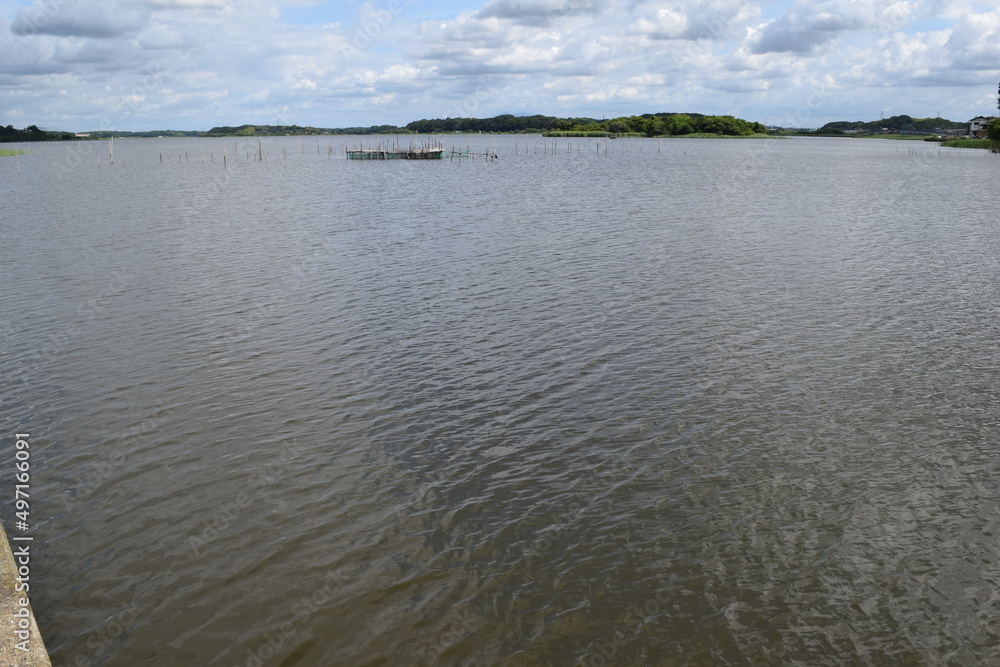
(693, 125)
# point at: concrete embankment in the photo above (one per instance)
(21, 643)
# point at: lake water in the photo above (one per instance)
(637, 402)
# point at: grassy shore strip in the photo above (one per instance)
(895, 137)
(577, 133)
(708, 135)
(10, 152)
(694, 135)
(970, 143)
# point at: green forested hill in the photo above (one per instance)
(894, 124)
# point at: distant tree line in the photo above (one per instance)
(498, 124)
(263, 131)
(31, 133)
(894, 124)
(664, 124)
(658, 124)
(650, 125)
(107, 134)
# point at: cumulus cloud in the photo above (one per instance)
(809, 26)
(198, 63)
(699, 20)
(975, 41)
(79, 19)
(540, 12)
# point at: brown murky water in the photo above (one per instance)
(732, 402)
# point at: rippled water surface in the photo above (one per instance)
(680, 403)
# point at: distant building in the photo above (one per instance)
(979, 125)
(82, 134)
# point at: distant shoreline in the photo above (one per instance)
(660, 124)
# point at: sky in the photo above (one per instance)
(80, 65)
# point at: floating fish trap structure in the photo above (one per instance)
(426, 150)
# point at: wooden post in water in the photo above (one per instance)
(260, 151)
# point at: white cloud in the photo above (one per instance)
(79, 19)
(975, 41)
(810, 26)
(198, 63)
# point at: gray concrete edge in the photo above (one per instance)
(13, 616)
